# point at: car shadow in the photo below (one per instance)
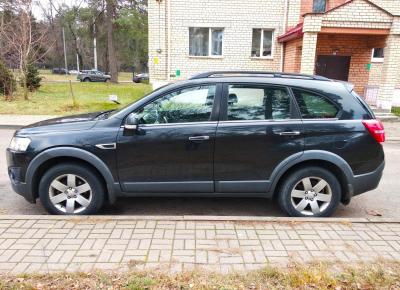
(168, 206)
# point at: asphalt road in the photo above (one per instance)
(384, 200)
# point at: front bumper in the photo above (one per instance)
(368, 181)
(17, 163)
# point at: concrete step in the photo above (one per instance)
(389, 117)
(378, 110)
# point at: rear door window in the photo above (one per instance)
(255, 102)
(314, 106)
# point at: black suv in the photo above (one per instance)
(308, 141)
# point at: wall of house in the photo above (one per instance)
(307, 6)
(238, 18)
(157, 22)
(358, 47)
(292, 60)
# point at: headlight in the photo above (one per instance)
(19, 143)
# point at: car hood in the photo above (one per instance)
(67, 123)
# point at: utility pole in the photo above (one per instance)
(94, 46)
(65, 51)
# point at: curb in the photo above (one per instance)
(107, 218)
(10, 127)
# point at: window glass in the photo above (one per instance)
(216, 48)
(256, 43)
(246, 102)
(262, 41)
(198, 41)
(204, 41)
(267, 43)
(319, 6)
(192, 104)
(314, 106)
(377, 53)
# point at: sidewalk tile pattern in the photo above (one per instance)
(62, 245)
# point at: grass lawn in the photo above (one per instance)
(318, 276)
(396, 111)
(55, 98)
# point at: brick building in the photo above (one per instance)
(356, 41)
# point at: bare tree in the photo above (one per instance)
(112, 58)
(25, 39)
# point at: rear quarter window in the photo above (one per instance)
(314, 106)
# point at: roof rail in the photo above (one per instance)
(257, 73)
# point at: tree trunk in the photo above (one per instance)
(112, 59)
(24, 85)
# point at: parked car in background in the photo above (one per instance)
(73, 72)
(93, 76)
(140, 78)
(59, 71)
(308, 141)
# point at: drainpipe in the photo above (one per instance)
(169, 41)
(284, 25)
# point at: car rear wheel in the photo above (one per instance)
(86, 80)
(71, 189)
(310, 192)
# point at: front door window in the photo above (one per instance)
(193, 104)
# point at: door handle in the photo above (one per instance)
(288, 133)
(199, 138)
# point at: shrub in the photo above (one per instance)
(32, 78)
(7, 81)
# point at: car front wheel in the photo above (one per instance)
(71, 189)
(310, 192)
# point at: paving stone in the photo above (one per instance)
(58, 245)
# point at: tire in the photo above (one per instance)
(86, 80)
(57, 194)
(300, 196)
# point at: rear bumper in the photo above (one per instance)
(368, 181)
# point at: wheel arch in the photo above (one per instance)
(328, 160)
(50, 157)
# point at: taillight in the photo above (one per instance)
(375, 128)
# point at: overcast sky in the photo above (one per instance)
(38, 5)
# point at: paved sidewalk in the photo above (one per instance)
(16, 121)
(46, 243)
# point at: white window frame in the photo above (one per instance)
(376, 59)
(262, 42)
(210, 29)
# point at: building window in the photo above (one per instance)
(262, 43)
(319, 6)
(377, 54)
(205, 41)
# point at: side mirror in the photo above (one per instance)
(132, 122)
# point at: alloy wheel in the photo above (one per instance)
(70, 193)
(311, 196)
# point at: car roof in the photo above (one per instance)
(326, 85)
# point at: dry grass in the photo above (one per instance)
(316, 276)
(55, 98)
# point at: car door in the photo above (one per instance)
(172, 149)
(259, 128)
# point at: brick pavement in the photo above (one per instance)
(47, 244)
